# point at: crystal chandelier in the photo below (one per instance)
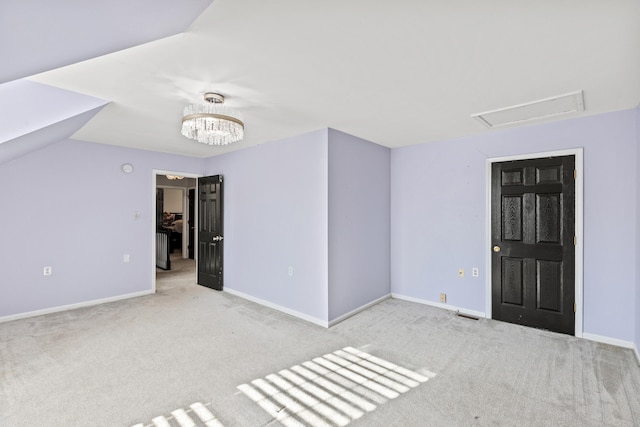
(212, 123)
(172, 177)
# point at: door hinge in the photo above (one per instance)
(575, 241)
(575, 174)
(575, 307)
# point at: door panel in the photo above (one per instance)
(532, 232)
(512, 278)
(512, 218)
(548, 216)
(549, 286)
(210, 232)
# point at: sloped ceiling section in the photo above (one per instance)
(28, 106)
(35, 115)
(41, 138)
(40, 35)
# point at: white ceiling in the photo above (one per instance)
(395, 73)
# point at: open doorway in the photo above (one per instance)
(174, 228)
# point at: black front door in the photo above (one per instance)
(210, 231)
(533, 252)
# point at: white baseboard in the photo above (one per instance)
(609, 340)
(358, 310)
(277, 307)
(440, 305)
(304, 316)
(72, 306)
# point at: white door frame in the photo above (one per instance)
(579, 228)
(154, 174)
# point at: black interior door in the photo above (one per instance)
(191, 222)
(159, 207)
(163, 236)
(533, 249)
(210, 232)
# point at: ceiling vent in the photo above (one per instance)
(544, 108)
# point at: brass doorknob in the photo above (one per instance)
(496, 248)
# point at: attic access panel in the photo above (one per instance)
(544, 108)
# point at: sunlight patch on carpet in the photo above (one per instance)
(332, 390)
(196, 416)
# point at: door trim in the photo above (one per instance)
(579, 216)
(154, 174)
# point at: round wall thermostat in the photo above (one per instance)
(127, 168)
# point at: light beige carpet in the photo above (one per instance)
(129, 362)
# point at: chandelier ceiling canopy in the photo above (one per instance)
(212, 123)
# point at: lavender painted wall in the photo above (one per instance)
(438, 215)
(437, 222)
(359, 223)
(70, 207)
(275, 217)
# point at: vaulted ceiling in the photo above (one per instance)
(395, 73)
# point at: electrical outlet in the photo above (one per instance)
(443, 297)
(125, 258)
(461, 273)
(475, 272)
(47, 271)
(290, 271)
